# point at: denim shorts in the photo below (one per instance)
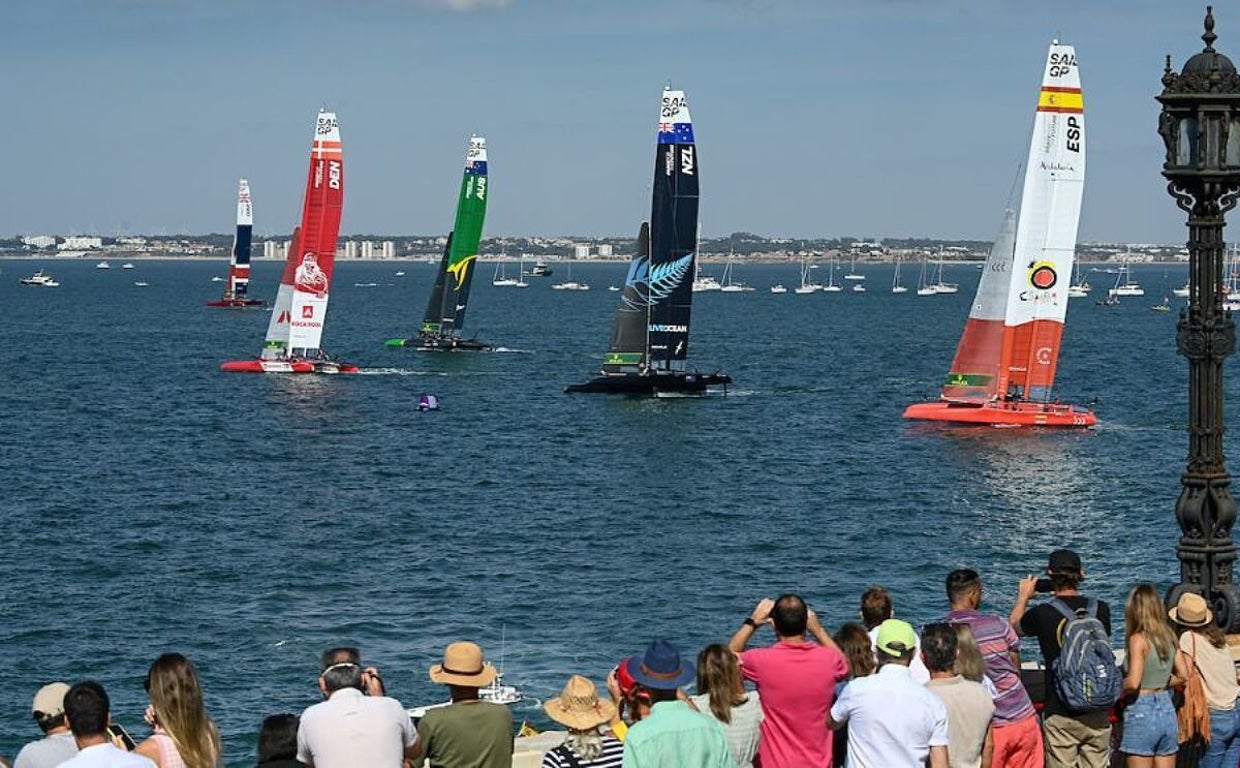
(1150, 727)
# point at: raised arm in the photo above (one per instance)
(761, 614)
(1027, 589)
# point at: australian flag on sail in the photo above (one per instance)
(675, 133)
(476, 168)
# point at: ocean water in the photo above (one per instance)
(153, 503)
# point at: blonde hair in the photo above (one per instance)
(969, 662)
(1145, 614)
(719, 676)
(176, 699)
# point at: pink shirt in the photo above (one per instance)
(796, 682)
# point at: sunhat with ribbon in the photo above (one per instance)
(579, 707)
(1191, 610)
(660, 667)
(463, 665)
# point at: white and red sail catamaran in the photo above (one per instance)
(1005, 364)
(236, 294)
(296, 328)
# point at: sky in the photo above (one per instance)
(813, 118)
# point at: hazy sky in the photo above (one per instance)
(867, 118)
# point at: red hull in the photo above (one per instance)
(237, 303)
(288, 366)
(1004, 414)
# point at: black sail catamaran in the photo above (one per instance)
(650, 337)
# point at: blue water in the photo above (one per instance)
(153, 503)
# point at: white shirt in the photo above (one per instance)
(352, 730)
(107, 756)
(47, 752)
(917, 667)
(892, 721)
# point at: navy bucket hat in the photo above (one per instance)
(660, 667)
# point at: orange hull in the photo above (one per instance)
(1004, 414)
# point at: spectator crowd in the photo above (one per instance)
(876, 694)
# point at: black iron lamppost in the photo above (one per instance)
(1200, 125)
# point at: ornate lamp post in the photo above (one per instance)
(1200, 125)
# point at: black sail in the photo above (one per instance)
(433, 319)
(627, 351)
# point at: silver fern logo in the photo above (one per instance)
(647, 286)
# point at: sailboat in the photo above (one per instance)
(569, 283)
(808, 285)
(650, 337)
(296, 328)
(501, 278)
(236, 293)
(704, 282)
(445, 310)
(896, 287)
(832, 286)
(1080, 288)
(730, 285)
(924, 288)
(1125, 285)
(853, 274)
(940, 286)
(1005, 363)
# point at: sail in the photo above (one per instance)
(320, 231)
(434, 307)
(458, 270)
(275, 346)
(1050, 210)
(239, 264)
(974, 374)
(627, 351)
(673, 229)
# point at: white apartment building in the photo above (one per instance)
(389, 249)
(368, 249)
(271, 249)
(581, 251)
(604, 250)
(350, 249)
(39, 241)
(79, 243)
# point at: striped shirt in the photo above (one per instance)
(997, 640)
(611, 756)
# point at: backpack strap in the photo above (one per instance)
(1063, 608)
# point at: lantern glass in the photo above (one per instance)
(1212, 157)
(1232, 159)
(1186, 147)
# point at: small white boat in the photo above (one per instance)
(40, 279)
(778, 288)
(217, 279)
(103, 265)
(896, 287)
(501, 278)
(1164, 307)
(612, 288)
(570, 285)
(401, 273)
(141, 283)
(733, 286)
(496, 693)
(1181, 292)
(858, 288)
(1125, 285)
(127, 265)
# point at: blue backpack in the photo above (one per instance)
(1086, 676)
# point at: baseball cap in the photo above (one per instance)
(895, 637)
(1064, 560)
(50, 700)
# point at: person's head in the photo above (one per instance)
(632, 697)
(938, 648)
(964, 588)
(789, 616)
(463, 670)
(719, 677)
(969, 662)
(176, 699)
(340, 668)
(277, 738)
(1193, 613)
(858, 651)
(579, 708)
(875, 607)
(86, 709)
(1145, 614)
(896, 643)
(48, 707)
(1064, 569)
(660, 672)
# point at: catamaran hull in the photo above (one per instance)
(652, 384)
(1004, 414)
(237, 303)
(288, 366)
(442, 345)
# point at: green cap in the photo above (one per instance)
(895, 637)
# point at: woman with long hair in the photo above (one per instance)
(1204, 645)
(969, 661)
(854, 642)
(184, 736)
(1151, 732)
(721, 695)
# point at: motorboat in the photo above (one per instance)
(127, 265)
(778, 288)
(103, 265)
(40, 279)
(496, 693)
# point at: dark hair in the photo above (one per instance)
(875, 606)
(46, 723)
(1064, 580)
(789, 616)
(961, 582)
(86, 707)
(854, 641)
(659, 694)
(938, 645)
(342, 668)
(277, 739)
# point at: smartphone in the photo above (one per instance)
(1042, 585)
(118, 732)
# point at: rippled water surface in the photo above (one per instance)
(153, 503)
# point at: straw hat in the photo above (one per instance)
(1192, 611)
(579, 707)
(463, 665)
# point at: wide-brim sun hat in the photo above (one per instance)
(579, 706)
(661, 667)
(463, 665)
(1191, 610)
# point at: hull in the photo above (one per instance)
(1003, 414)
(442, 344)
(294, 365)
(652, 384)
(237, 303)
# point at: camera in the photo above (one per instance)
(1042, 585)
(115, 729)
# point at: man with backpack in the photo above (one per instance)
(1081, 683)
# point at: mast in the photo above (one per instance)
(673, 228)
(239, 262)
(457, 268)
